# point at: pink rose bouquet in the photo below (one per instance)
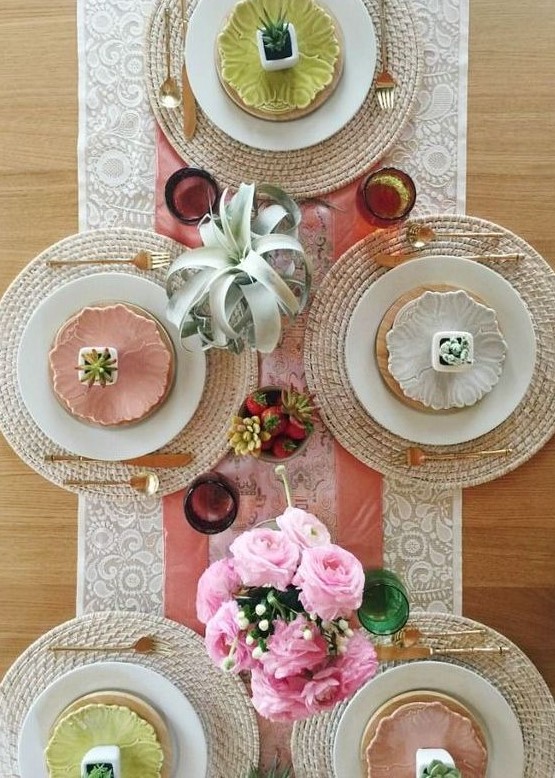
(279, 608)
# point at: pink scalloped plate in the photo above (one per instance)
(146, 364)
(392, 751)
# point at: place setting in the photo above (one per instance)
(326, 113)
(135, 683)
(433, 283)
(145, 431)
(449, 695)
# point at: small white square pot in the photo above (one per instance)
(104, 755)
(425, 756)
(86, 350)
(279, 64)
(459, 364)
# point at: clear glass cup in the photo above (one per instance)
(190, 194)
(385, 604)
(387, 196)
(211, 503)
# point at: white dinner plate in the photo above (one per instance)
(189, 750)
(359, 41)
(500, 725)
(440, 427)
(66, 430)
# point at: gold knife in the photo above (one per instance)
(391, 653)
(147, 460)
(189, 105)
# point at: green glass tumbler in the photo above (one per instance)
(385, 604)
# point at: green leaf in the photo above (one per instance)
(265, 316)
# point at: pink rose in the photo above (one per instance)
(265, 557)
(358, 664)
(289, 652)
(324, 689)
(331, 580)
(303, 528)
(216, 585)
(224, 639)
(278, 699)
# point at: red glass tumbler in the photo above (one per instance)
(387, 196)
(190, 194)
(211, 503)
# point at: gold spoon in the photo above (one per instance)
(410, 636)
(170, 96)
(146, 482)
(420, 235)
(417, 456)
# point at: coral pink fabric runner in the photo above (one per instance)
(345, 492)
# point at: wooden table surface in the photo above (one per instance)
(509, 525)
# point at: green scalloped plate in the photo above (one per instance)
(284, 94)
(96, 725)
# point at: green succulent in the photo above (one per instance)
(98, 366)
(438, 769)
(101, 771)
(274, 32)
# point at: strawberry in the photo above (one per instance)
(283, 447)
(273, 420)
(298, 430)
(256, 402)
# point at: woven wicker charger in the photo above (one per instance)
(513, 675)
(525, 431)
(335, 162)
(229, 377)
(220, 699)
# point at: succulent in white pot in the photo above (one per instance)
(233, 291)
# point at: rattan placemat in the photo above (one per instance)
(513, 675)
(229, 377)
(220, 699)
(345, 156)
(525, 431)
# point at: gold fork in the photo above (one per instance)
(147, 644)
(143, 260)
(385, 83)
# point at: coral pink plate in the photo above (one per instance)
(392, 751)
(146, 364)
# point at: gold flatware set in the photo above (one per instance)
(406, 645)
(171, 94)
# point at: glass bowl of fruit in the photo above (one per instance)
(272, 424)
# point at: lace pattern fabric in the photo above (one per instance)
(120, 551)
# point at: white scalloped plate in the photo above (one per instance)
(442, 427)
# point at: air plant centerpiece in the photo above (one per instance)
(277, 42)
(233, 291)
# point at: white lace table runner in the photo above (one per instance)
(120, 562)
